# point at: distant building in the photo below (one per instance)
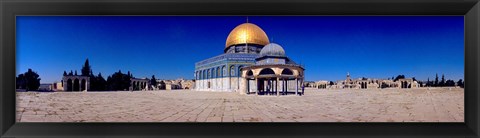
(139, 84)
(72, 83)
(46, 87)
(367, 83)
(58, 86)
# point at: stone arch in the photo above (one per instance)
(239, 69)
(212, 73)
(133, 85)
(232, 70)
(239, 74)
(196, 75)
(83, 83)
(218, 72)
(287, 71)
(249, 73)
(204, 76)
(76, 85)
(140, 85)
(208, 74)
(69, 85)
(266, 71)
(224, 71)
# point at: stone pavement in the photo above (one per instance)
(373, 105)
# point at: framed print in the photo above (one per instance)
(162, 68)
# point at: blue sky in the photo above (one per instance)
(169, 46)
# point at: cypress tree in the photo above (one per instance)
(442, 83)
(153, 81)
(86, 68)
(460, 83)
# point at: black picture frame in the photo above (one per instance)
(9, 9)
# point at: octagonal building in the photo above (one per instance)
(246, 46)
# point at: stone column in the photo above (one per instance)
(296, 86)
(276, 86)
(145, 86)
(256, 83)
(73, 85)
(248, 86)
(244, 86)
(86, 84)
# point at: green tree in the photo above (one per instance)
(64, 73)
(460, 83)
(86, 69)
(101, 82)
(428, 82)
(450, 83)
(436, 80)
(119, 81)
(399, 77)
(21, 82)
(420, 83)
(29, 80)
(442, 83)
(109, 83)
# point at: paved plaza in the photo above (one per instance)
(317, 105)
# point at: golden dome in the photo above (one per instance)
(247, 33)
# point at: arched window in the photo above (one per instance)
(204, 76)
(239, 71)
(196, 75)
(224, 71)
(287, 71)
(218, 72)
(266, 71)
(250, 73)
(208, 74)
(212, 73)
(232, 70)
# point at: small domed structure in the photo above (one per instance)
(272, 49)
